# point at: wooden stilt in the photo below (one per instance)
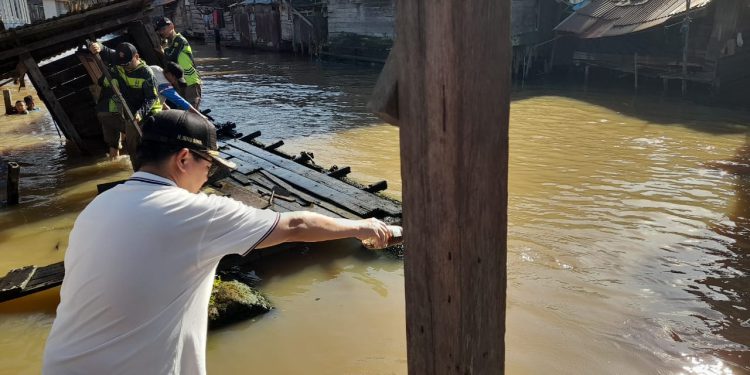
(635, 71)
(14, 172)
(455, 200)
(8, 99)
(685, 47)
(586, 79)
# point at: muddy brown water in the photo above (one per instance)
(628, 233)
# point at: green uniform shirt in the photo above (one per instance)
(137, 86)
(180, 52)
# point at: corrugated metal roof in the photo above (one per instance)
(602, 18)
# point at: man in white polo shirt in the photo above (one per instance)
(141, 258)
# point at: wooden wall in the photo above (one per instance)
(361, 27)
(362, 17)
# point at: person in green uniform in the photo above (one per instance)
(137, 84)
(178, 50)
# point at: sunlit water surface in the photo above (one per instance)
(628, 233)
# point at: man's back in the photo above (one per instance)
(139, 272)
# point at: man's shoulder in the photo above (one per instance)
(179, 41)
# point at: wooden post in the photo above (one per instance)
(586, 79)
(147, 42)
(50, 100)
(14, 170)
(635, 71)
(453, 93)
(665, 86)
(8, 99)
(686, 30)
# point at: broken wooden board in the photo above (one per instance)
(30, 279)
(350, 197)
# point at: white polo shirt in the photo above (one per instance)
(139, 270)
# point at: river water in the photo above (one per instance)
(628, 230)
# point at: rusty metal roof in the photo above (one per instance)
(602, 18)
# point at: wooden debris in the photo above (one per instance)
(27, 280)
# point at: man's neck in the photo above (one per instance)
(162, 172)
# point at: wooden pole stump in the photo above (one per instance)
(14, 171)
(8, 99)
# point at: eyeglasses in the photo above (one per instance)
(214, 166)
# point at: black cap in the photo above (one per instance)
(125, 52)
(176, 70)
(161, 22)
(184, 129)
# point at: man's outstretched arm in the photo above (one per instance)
(305, 226)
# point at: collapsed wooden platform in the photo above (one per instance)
(265, 178)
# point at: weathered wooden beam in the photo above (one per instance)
(274, 145)
(384, 99)
(30, 279)
(341, 172)
(14, 173)
(53, 105)
(376, 187)
(72, 35)
(453, 90)
(250, 137)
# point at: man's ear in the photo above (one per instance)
(181, 158)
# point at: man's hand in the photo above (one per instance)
(376, 230)
(95, 48)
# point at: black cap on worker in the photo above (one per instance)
(176, 70)
(162, 22)
(178, 128)
(125, 52)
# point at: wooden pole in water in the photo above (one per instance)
(14, 171)
(453, 93)
(686, 30)
(8, 99)
(586, 79)
(635, 71)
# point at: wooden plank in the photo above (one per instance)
(72, 35)
(361, 198)
(311, 186)
(453, 90)
(49, 99)
(30, 279)
(310, 199)
(15, 280)
(45, 277)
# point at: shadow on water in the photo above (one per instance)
(726, 289)
(653, 108)
(326, 256)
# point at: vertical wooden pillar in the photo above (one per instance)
(685, 46)
(586, 79)
(453, 92)
(635, 71)
(14, 171)
(8, 100)
(50, 100)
